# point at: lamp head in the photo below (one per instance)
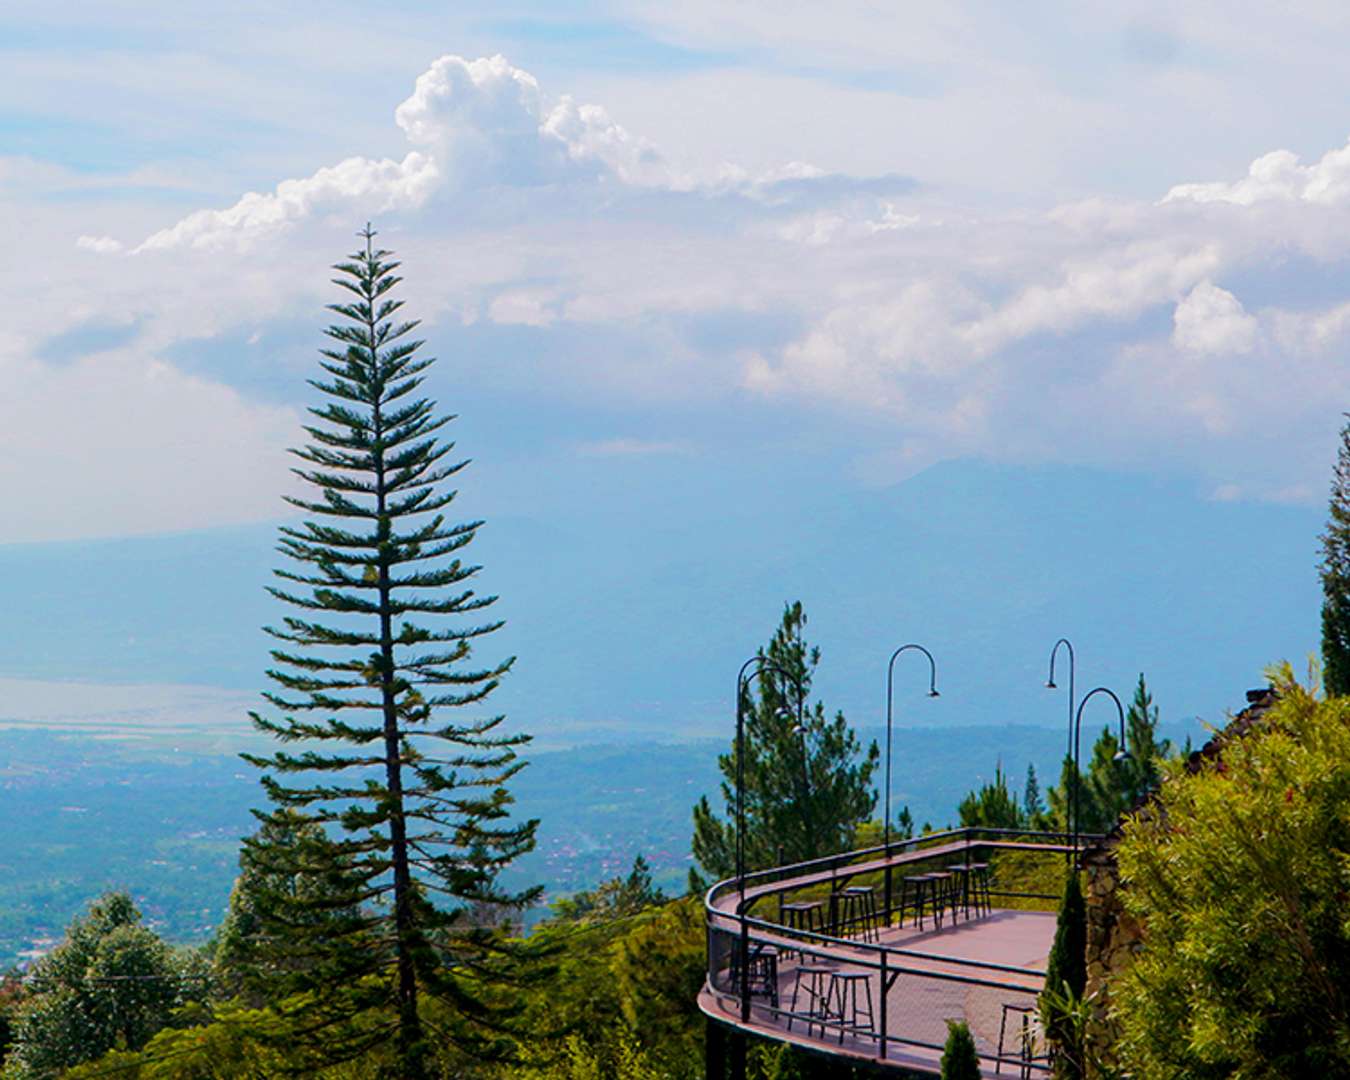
(933, 692)
(1050, 684)
(799, 729)
(1121, 755)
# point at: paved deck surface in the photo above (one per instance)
(925, 993)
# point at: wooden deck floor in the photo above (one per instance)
(923, 996)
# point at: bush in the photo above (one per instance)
(1240, 877)
(960, 1061)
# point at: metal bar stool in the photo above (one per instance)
(763, 968)
(942, 894)
(854, 1012)
(1026, 1043)
(919, 891)
(858, 912)
(961, 893)
(979, 876)
(812, 980)
(803, 915)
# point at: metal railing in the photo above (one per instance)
(841, 990)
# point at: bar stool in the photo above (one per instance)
(961, 892)
(854, 1012)
(763, 968)
(942, 893)
(920, 891)
(813, 980)
(1026, 1044)
(979, 877)
(803, 915)
(858, 911)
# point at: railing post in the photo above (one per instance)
(881, 997)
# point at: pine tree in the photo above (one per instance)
(1335, 573)
(1032, 806)
(413, 802)
(993, 806)
(806, 792)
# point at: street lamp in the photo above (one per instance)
(1121, 755)
(1050, 682)
(756, 665)
(890, 686)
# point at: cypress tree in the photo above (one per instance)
(1335, 572)
(372, 673)
(960, 1060)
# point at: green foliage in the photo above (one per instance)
(611, 899)
(1335, 573)
(249, 962)
(623, 997)
(1066, 976)
(112, 983)
(1239, 876)
(11, 998)
(805, 793)
(410, 805)
(1108, 787)
(992, 807)
(1033, 806)
(960, 1061)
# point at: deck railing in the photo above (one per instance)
(926, 988)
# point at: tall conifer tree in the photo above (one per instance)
(806, 792)
(1335, 571)
(372, 674)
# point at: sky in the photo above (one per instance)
(745, 245)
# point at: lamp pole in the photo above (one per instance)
(1050, 685)
(756, 665)
(1121, 755)
(890, 688)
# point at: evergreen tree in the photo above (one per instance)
(247, 961)
(412, 802)
(1107, 788)
(1335, 573)
(1032, 806)
(993, 806)
(960, 1061)
(807, 792)
(1066, 978)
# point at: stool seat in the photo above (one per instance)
(849, 1001)
(856, 909)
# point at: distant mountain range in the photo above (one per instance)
(630, 625)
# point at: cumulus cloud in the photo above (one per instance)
(474, 123)
(1212, 320)
(946, 324)
(1278, 177)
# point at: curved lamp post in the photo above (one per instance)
(1050, 684)
(890, 687)
(1121, 755)
(756, 665)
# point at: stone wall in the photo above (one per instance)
(1113, 937)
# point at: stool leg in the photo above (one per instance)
(998, 1061)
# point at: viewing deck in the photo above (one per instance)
(878, 988)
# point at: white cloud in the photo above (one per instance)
(922, 321)
(140, 448)
(376, 187)
(630, 447)
(1278, 177)
(1212, 320)
(523, 307)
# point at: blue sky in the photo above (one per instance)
(861, 240)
